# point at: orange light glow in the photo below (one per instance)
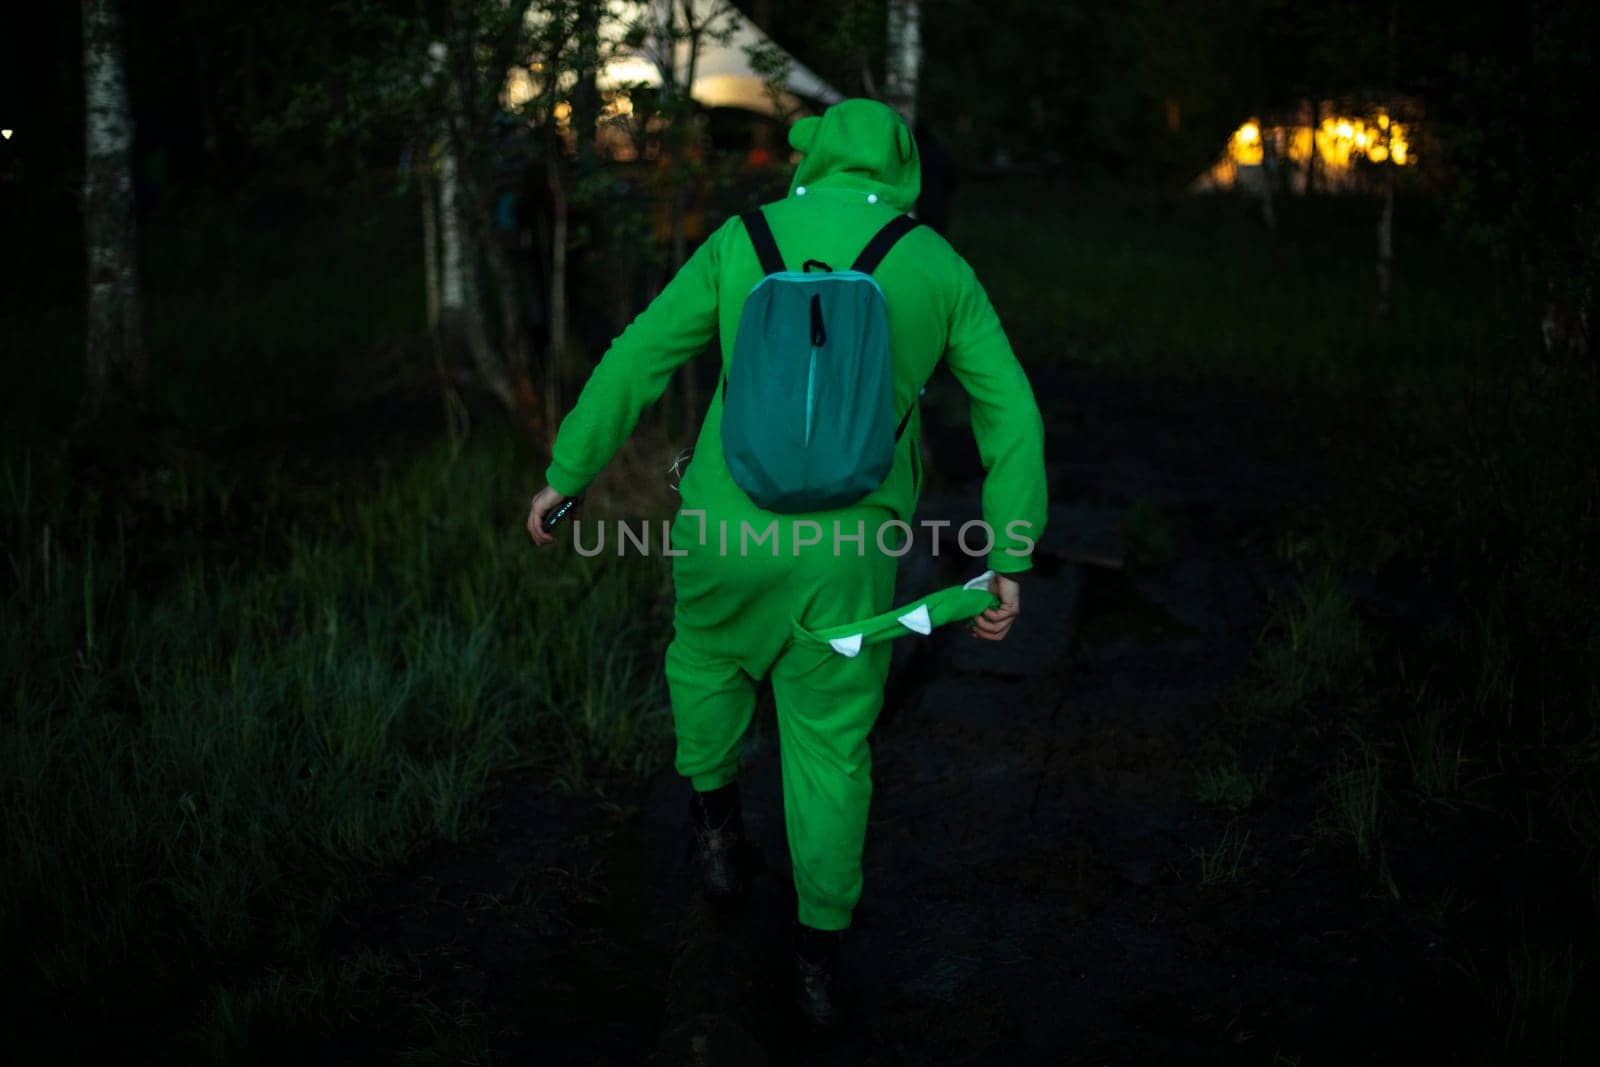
(1245, 145)
(1339, 142)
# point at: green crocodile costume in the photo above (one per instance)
(761, 594)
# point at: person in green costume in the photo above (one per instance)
(805, 599)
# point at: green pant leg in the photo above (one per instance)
(713, 700)
(827, 705)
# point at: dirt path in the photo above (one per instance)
(1032, 883)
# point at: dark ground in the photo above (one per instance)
(1033, 892)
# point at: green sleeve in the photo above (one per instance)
(634, 371)
(1006, 423)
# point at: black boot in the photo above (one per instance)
(722, 853)
(816, 976)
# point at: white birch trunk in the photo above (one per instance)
(452, 284)
(430, 245)
(117, 372)
(905, 58)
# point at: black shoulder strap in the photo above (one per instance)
(882, 241)
(765, 244)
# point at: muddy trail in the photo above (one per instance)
(1033, 887)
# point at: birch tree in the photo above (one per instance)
(117, 368)
(489, 91)
(445, 75)
(904, 60)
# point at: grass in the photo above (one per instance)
(1223, 863)
(1195, 286)
(1356, 805)
(1151, 536)
(1230, 787)
(1436, 751)
(1313, 646)
(204, 756)
(1543, 980)
(1531, 988)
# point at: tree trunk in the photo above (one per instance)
(117, 370)
(1385, 300)
(586, 97)
(763, 20)
(555, 354)
(467, 320)
(456, 420)
(1269, 176)
(1311, 157)
(683, 94)
(430, 245)
(516, 366)
(904, 58)
(248, 75)
(452, 281)
(461, 319)
(203, 94)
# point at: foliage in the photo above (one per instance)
(1513, 121)
(1195, 287)
(203, 758)
(246, 297)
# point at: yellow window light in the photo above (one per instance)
(1244, 147)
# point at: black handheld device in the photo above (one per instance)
(559, 512)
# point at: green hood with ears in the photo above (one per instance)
(859, 144)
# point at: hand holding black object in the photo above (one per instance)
(548, 509)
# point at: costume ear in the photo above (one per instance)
(903, 141)
(802, 133)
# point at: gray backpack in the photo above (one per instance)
(808, 420)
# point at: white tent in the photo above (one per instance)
(724, 75)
